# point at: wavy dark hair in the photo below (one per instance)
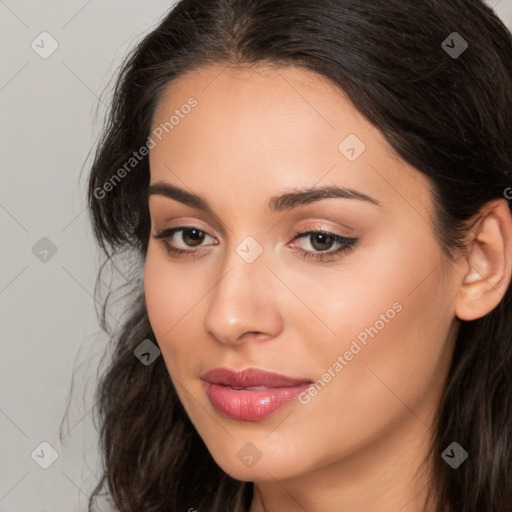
(449, 116)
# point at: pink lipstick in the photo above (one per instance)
(250, 394)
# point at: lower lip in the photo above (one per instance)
(251, 405)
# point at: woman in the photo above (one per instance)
(316, 195)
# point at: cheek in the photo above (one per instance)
(391, 318)
(391, 269)
(170, 302)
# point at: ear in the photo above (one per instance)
(488, 262)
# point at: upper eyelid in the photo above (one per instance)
(222, 228)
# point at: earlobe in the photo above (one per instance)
(488, 262)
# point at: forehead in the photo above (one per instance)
(279, 125)
(269, 92)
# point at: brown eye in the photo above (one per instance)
(321, 241)
(184, 240)
(193, 237)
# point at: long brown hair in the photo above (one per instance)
(448, 115)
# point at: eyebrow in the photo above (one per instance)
(286, 201)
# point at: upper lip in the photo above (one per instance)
(250, 377)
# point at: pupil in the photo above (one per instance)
(321, 239)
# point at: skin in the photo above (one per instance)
(257, 132)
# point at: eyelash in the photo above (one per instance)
(346, 244)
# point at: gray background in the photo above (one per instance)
(51, 113)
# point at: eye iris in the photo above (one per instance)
(193, 234)
(323, 239)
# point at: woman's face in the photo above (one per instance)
(370, 326)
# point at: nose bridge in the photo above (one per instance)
(241, 300)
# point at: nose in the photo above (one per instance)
(243, 304)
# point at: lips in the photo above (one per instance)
(250, 394)
(250, 378)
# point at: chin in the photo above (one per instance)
(250, 464)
